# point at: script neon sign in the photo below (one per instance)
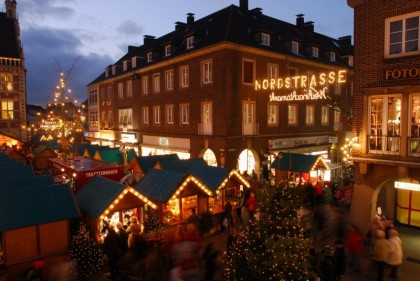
(314, 86)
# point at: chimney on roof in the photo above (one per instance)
(243, 4)
(300, 21)
(345, 39)
(148, 39)
(190, 18)
(309, 26)
(179, 24)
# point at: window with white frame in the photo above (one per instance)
(133, 62)
(384, 124)
(185, 113)
(156, 114)
(168, 50)
(120, 91)
(310, 115)
(156, 83)
(7, 109)
(110, 121)
(145, 115)
(332, 56)
(125, 119)
(315, 52)
(402, 35)
(184, 76)
(145, 85)
(125, 63)
(265, 39)
(149, 56)
(190, 42)
(295, 47)
(169, 80)
(169, 108)
(93, 118)
(292, 114)
(248, 71)
(272, 71)
(325, 115)
(93, 97)
(272, 113)
(207, 112)
(206, 72)
(129, 86)
(248, 112)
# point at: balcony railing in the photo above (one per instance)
(205, 129)
(250, 129)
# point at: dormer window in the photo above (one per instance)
(114, 70)
(168, 50)
(125, 63)
(265, 39)
(149, 56)
(190, 42)
(315, 52)
(350, 61)
(133, 62)
(295, 47)
(332, 56)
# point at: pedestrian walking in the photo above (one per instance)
(134, 230)
(112, 249)
(380, 253)
(327, 265)
(395, 254)
(354, 242)
(251, 206)
(227, 218)
(123, 236)
(194, 219)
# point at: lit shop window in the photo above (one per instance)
(384, 124)
(292, 114)
(402, 35)
(272, 113)
(414, 126)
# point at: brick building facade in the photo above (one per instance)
(205, 90)
(386, 110)
(12, 76)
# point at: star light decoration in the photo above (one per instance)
(274, 246)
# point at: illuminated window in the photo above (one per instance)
(384, 124)
(110, 117)
(6, 82)
(145, 114)
(206, 72)
(125, 119)
(169, 80)
(190, 42)
(332, 56)
(169, 114)
(120, 91)
(402, 35)
(248, 71)
(325, 115)
(292, 114)
(93, 118)
(156, 114)
(156, 83)
(310, 115)
(265, 39)
(272, 71)
(7, 110)
(184, 76)
(185, 113)
(93, 97)
(206, 112)
(168, 50)
(145, 84)
(272, 113)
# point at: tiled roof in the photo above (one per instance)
(8, 44)
(233, 24)
(30, 206)
(97, 195)
(159, 185)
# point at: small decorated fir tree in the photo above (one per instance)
(88, 257)
(273, 246)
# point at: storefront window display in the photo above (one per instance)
(414, 145)
(112, 219)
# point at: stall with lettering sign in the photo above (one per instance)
(79, 170)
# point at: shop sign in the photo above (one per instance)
(407, 185)
(164, 141)
(312, 87)
(402, 73)
(296, 142)
(131, 138)
(102, 173)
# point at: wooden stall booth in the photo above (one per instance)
(105, 202)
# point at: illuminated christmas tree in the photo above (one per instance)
(274, 245)
(88, 257)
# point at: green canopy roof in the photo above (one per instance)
(296, 162)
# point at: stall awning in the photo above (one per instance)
(298, 163)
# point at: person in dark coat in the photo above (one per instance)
(340, 259)
(327, 265)
(124, 238)
(112, 249)
(227, 216)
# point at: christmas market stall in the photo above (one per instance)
(40, 156)
(79, 170)
(141, 164)
(34, 223)
(298, 168)
(104, 202)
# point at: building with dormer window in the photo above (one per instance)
(232, 89)
(12, 75)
